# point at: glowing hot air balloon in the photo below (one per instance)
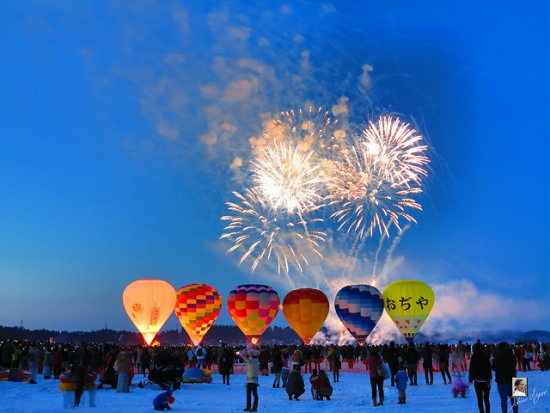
(408, 303)
(197, 307)
(149, 303)
(305, 310)
(359, 307)
(253, 307)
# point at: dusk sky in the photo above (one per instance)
(125, 126)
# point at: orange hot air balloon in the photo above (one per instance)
(253, 307)
(305, 310)
(197, 307)
(149, 303)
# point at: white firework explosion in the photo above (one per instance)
(263, 233)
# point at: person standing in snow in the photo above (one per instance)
(277, 362)
(376, 381)
(401, 381)
(411, 357)
(225, 362)
(200, 352)
(33, 363)
(250, 357)
(427, 363)
(504, 366)
(444, 363)
(123, 365)
(481, 375)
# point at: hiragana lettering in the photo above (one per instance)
(405, 305)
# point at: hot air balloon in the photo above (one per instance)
(253, 307)
(305, 310)
(359, 307)
(149, 303)
(197, 307)
(408, 303)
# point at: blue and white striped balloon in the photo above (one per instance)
(359, 307)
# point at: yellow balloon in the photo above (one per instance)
(408, 303)
(149, 303)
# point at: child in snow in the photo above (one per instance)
(162, 401)
(401, 380)
(459, 387)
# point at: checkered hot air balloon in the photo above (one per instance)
(305, 310)
(359, 307)
(197, 307)
(253, 307)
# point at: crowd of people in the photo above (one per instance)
(399, 364)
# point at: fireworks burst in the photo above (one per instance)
(395, 151)
(373, 186)
(304, 163)
(309, 129)
(263, 233)
(287, 179)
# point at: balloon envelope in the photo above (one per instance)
(253, 307)
(408, 303)
(149, 303)
(305, 310)
(359, 307)
(197, 307)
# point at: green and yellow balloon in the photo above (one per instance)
(408, 303)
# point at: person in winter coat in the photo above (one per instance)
(295, 386)
(162, 401)
(6, 352)
(411, 357)
(459, 387)
(324, 388)
(504, 366)
(335, 362)
(427, 363)
(481, 375)
(225, 362)
(47, 369)
(81, 365)
(444, 363)
(33, 363)
(200, 353)
(250, 357)
(313, 380)
(391, 356)
(123, 364)
(401, 381)
(57, 360)
(376, 381)
(277, 362)
(264, 357)
(297, 360)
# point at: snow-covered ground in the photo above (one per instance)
(351, 394)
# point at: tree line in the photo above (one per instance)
(228, 333)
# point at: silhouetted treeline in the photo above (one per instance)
(228, 333)
(233, 336)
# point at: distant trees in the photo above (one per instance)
(228, 333)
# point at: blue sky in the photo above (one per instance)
(120, 122)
